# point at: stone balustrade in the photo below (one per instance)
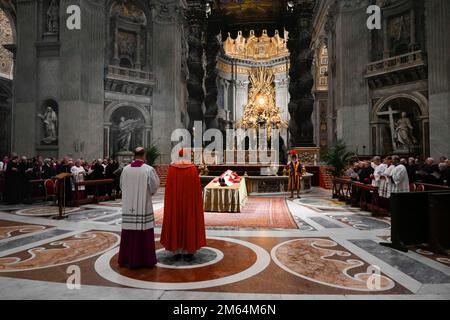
(397, 63)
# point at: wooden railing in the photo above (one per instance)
(367, 197)
(342, 189)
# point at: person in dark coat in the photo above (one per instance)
(13, 182)
(48, 170)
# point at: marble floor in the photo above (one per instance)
(334, 253)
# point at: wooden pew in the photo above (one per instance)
(94, 186)
(439, 219)
(411, 219)
(366, 197)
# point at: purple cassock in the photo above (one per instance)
(137, 246)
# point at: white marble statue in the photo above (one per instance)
(404, 132)
(50, 120)
(126, 128)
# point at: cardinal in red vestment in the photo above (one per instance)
(183, 230)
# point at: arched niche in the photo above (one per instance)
(385, 124)
(138, 131)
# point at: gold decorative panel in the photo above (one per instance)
(261, 108)
(257, 48)
(6, 37)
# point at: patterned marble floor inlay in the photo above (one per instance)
(89, 214)
(110, 218)
(325, 204)
(9, 229)
(413, 268)
(362, 222)
(444, 259)
(326, 223)
(302, 225)
(15, 243)
(324, 261)
(241, 260)
(313, 248)
(43, 211)
(70, 250)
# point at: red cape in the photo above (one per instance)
(184, 221)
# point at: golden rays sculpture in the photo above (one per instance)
(261, 110)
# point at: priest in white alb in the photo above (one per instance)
(139, 182)
(400, 180)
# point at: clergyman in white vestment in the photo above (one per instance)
(138, 182)
(400, 179)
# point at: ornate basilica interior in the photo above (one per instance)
(148, 67)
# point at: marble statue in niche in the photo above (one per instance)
(404, 132)
(126, 129)
(52, 18)
(50, 121)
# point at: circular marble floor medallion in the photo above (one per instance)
(323, 261)
(202, 258)
(148, 279)
(76, 248)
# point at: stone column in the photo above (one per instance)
(349, 88)
(282, 95)
(226, 103)
(81, 82)
(196, 94)
(301, 79)
(212, 47)
(116, 59)
(438, 47)
(241, 95)
(138, 63)
(169, 93)
(25, 105)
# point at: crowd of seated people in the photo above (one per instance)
(17, 173)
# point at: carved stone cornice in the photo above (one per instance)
(168, 11)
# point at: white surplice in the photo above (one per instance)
(386, 183)
(400, 179)
(78, 176)
(378, 171)
(138, 184)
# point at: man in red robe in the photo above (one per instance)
(183, 230)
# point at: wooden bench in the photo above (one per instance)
(93, 186)
(420, 218)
